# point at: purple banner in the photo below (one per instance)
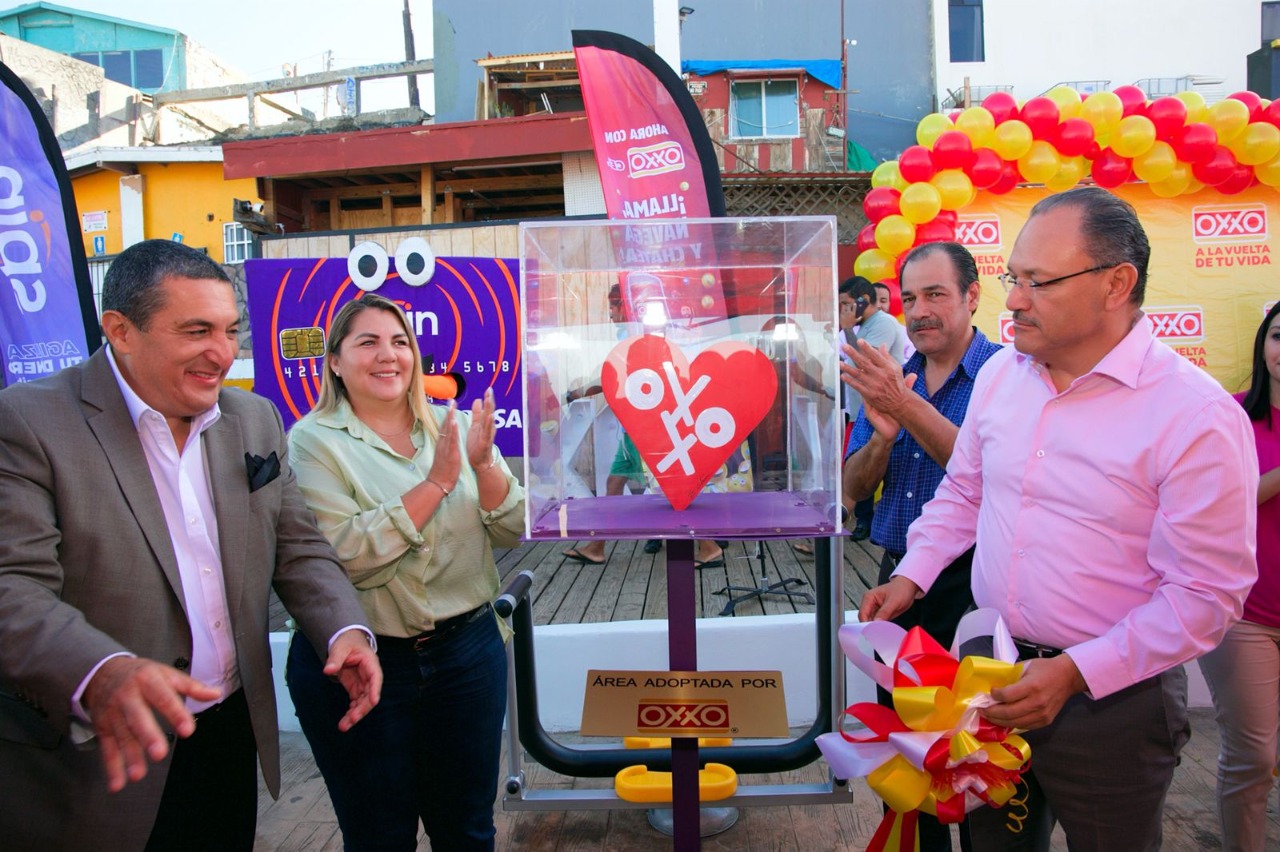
(47, 319)
(466, 316)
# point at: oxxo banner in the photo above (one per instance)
(1211, 279)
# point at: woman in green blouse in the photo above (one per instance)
(413, 497)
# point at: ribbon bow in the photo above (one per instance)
(931, 751)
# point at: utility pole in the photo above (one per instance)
(328, 66)
(409, 56)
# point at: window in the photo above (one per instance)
(117, 66)
(148, 69)
(1270, 22)
(764, 108)
(965, 18)
(142, 69)
(237, 243)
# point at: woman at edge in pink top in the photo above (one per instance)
(1244, 671)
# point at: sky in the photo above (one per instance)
(259, 38)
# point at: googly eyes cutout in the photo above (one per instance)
(415, 261)
(367, 265)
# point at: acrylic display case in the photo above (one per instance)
(681, 378)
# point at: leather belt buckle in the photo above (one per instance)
(1033, 651)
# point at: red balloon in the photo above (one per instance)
(1272, 113)
(880, 202)
(867, 238)
(1009, 178)
(915, 164)
(954, 114)
(1169, 115)
(1041, 115)
(1240, 180)
(1195, 143)
(1252, 101)
(1110, 169)
(984, 170)
(1093, 151)
(1001, 105)
(948, 216)
(1219, 168)
(952, 150)
(1133, 99)
(1075, 135)
(935, 231)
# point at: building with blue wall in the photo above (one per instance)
(148, 58)
(890, 68)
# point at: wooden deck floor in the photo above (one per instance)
(632, 585)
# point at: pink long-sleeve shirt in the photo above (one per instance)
(1115, 519)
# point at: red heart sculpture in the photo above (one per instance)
(687, 419)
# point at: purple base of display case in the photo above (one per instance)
(755, 515)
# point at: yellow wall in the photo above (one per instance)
(95, 193)
(192, 199)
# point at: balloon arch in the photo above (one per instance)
(1178, 145)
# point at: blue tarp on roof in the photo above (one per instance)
(826, 70)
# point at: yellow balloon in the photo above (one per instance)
(894, 234)
(1103, 110)
(930, 128)
(1156, 163)
(1193, 186)
(1135, 136)
(1040, 163)
(1259, 143)
(1196, 108)
(920, 203)
(977, 123)
(953, 187)
(1229, 118)
(1268, 173)
(1069, 174)
(874, 265)
(887, 174)
(1067, 99)
(1175, 184)
(1012, 139)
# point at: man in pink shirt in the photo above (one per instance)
(1110, 487)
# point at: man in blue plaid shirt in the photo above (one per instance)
(907, 426)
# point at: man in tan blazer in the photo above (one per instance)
(145, 514)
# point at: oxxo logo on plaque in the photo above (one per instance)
(692, 704)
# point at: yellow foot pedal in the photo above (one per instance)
(637, 784)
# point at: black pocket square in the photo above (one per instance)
(261, 471)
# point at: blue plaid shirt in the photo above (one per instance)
(913, 475)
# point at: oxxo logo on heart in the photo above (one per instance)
(686, 418)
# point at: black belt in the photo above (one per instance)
(1032, 651)
(442, 628)
(217, 708)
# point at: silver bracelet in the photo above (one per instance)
(443, 490)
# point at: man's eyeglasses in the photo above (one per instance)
(1011, 281)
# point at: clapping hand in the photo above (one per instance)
(448, 460)
(480, 435)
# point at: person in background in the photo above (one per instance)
(884, 301)
(146, 515)
(1111, 489)
(414, 498)
(907, 428)
(877, 328)
(1244, 671)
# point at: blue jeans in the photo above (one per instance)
(429, 750)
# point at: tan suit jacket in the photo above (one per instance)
(87, 569)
